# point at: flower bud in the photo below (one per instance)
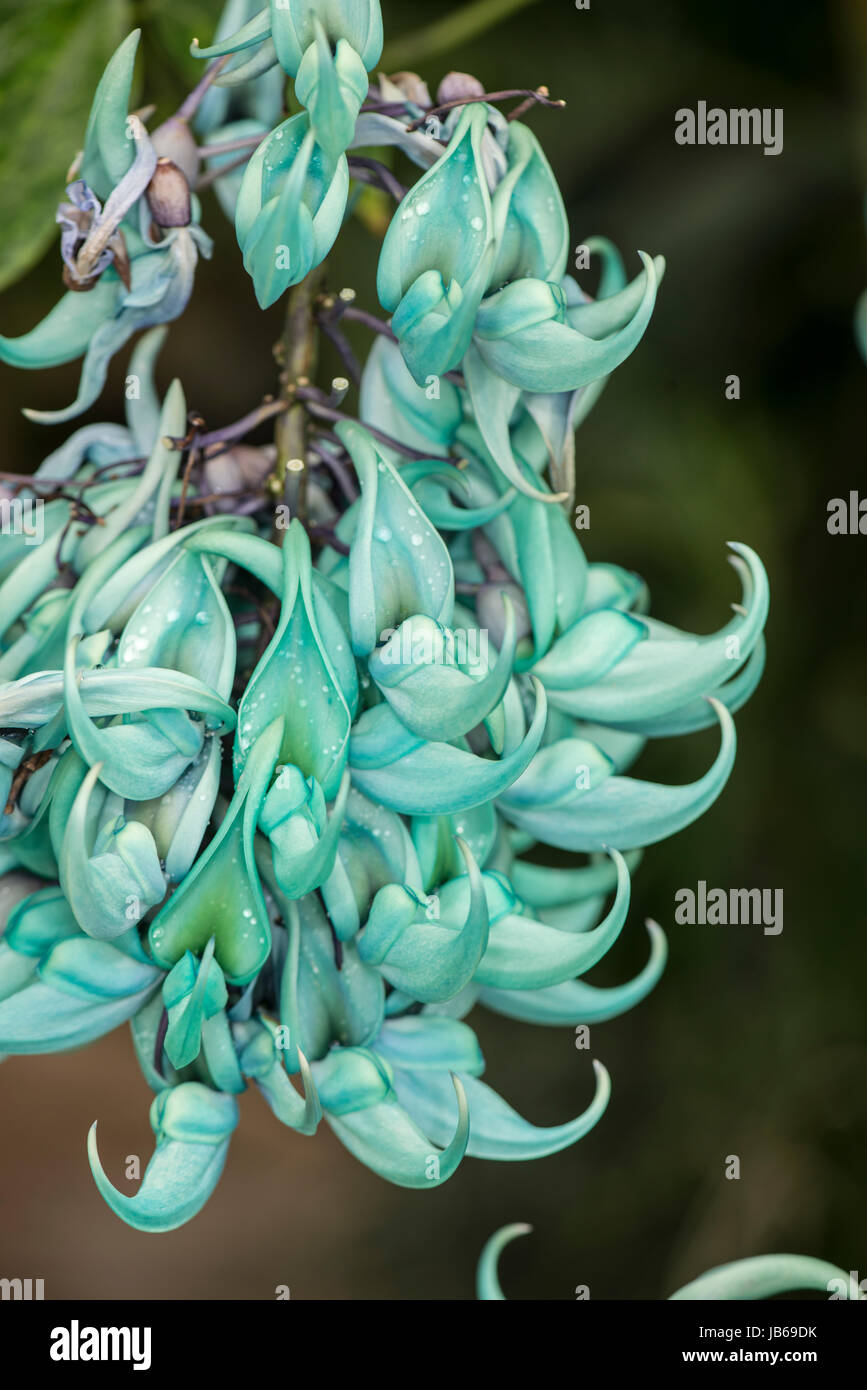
(459, 86)
(174, 140)
(414, 88)
(168, 195)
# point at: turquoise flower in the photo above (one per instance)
(473, 271)
(328, 47)
(130, 260)
(289, 207)
(762, 1276)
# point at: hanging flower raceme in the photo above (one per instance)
(333, 912)
(273, 794)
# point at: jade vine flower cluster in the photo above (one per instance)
(271, 794)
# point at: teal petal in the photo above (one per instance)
(524, 954)
(436, 778)
(399, 564)
(427, 959)
(496, 1130)
(193, 991)
(303, 838)
(530, 223)
(109, 867)
(83, 990)
(622, 811)
(36, 923)
(423, 1042)
(221, 896)
(438, 254)
(319, 1003)
(487, 1277)
(523, 337)
(109, 149)
(627, 669)
(294, 25)
(494, 401)
(370, 1122)
(542, 886)
(332, 86)
(183, 624)
(424, 417)
(374, 849)
(142, 756)
(296, 680)
(539, 547)
(765, 1276)
(254, 31)
(434, 490)
(260, 1059)
(35, 700)
(434, 227)
(438, 682)
(107, 597)
(290, 208)
(573, 1002)
(193, 1126)
(587, 652)
(66, 330)
(434, 838)
(178, 819)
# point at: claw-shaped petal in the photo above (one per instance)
(193, 1126)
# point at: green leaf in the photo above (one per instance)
(51, 58)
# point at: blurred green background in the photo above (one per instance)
(751, 1045)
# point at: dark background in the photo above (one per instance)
(751, 1045)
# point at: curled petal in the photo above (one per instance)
(427, 675)
(626, 668)
(67, 329)
(427, 779)
(764, 1276)
(427, 959)
(112, 881)
(399, 564)
(84, 989)
(487, 1276)
(497, 1131)
(524, 954)
(574, 1001)
(625, 811)
(256, 30)
(260, 1060)
(523, 334)
(370, 1121)
(193, 1126)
